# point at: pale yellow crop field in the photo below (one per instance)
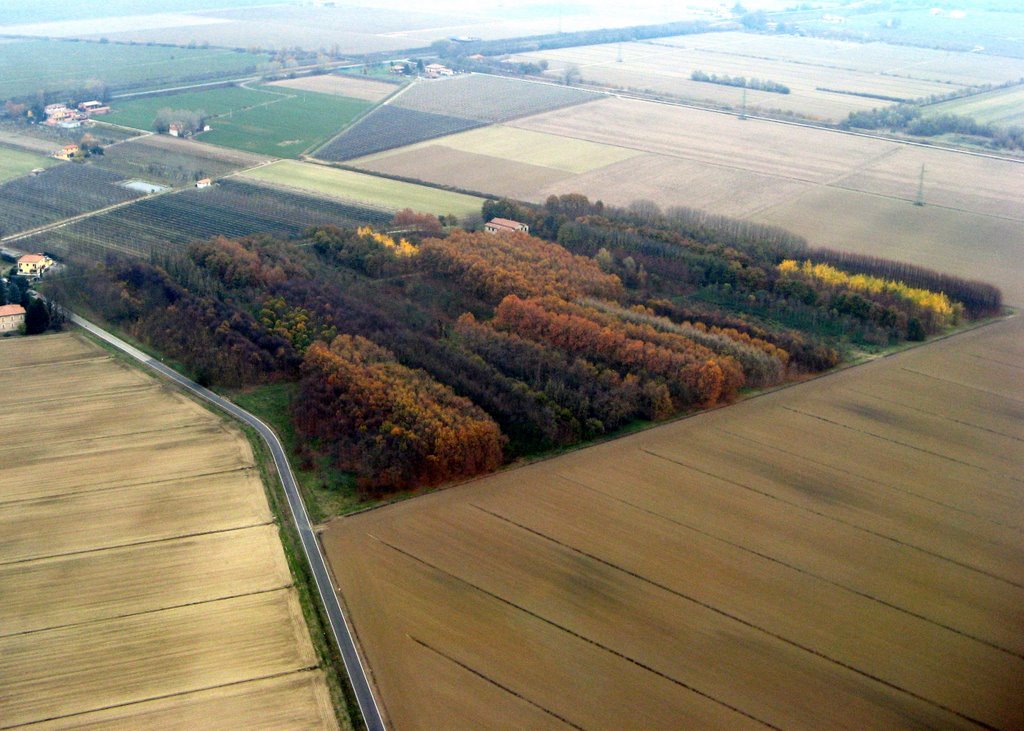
(143, 579)
(851, 545)
(518, 161)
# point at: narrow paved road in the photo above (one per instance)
(339, 625)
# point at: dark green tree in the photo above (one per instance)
(37, 318)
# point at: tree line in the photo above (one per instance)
(741, 81)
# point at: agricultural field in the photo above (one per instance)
(429, 109)
(770, 173)
(139, 557)
(295, 124)
(990, 29)
(15, 162)
(881, 59)
(174, 161)
(60, 192)
(350, 85)
(140, 112)
(488, 98)
(523, 160)
(47, 140)
(1002, 107)
(228, 208)
(54, 65)
(368, 190)
(848, 543)
(827, 79)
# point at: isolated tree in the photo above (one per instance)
(571, 75)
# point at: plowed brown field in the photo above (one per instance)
(143, 582)
(846, 552)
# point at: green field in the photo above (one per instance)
(1000, 107)
(298, 122)
(140, 112)
(30, 66)
(14, 163)
(366, 189)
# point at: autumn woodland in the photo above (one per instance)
(436, 353)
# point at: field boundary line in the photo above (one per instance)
(1015, 366)
(312, 150)
(144, 612)
(740, 620)
(941, 417)
(74, 361)
(146, 542)
(104, 488)
(737, 435)
(908, 445)
(571, 632)
(128, 704)
(793, 567)
(827, 517)
(495, 683)
(962, 385)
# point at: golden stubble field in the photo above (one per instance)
(847, 552)
(143, 580)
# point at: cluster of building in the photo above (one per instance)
(430, 71)
(31, 266)
(61, 115)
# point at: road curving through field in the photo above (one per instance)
(339, 625)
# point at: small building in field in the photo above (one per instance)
(204, 183)
(503, 225)
(436, 70)
(33, 265)
(93, 107)
(11, 317)
(67, 152)
(174, 130)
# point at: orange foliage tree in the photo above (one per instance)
(393, 426)
(694, 374)
(493, 265)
